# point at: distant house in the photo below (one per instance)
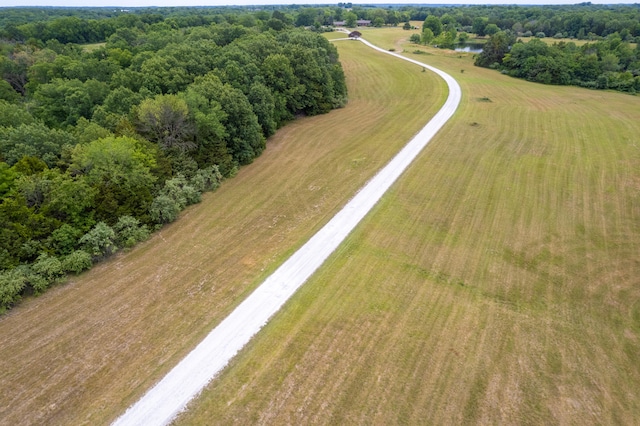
(355, 34)
(359, 23)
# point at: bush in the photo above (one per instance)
(77, 262)
(12, 284)
(164, 209)
(207, 179)
(602, 82)
(191, 194)
(49, 267)
(587, 84)
(540, 34)
(99, 241)
(175, 189)
(415, 38)
(65, 239)
(45, 271)
(129, 232)
(178, 193)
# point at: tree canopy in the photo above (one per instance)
(606, 64)
(101, 144)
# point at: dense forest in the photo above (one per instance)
(101, 144)
(610, 60)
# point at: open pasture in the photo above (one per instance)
(390, 37)
(84, 351)
(498, 282)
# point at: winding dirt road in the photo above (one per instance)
(171, 395)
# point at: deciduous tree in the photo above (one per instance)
(120, 168)
(165, 121)
(433, 23)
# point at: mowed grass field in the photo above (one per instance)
(86, 350)
(497, 283)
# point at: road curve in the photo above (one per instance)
(167, 398)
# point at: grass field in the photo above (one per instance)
(552, 40)
(83, 352)
(498, 283)
(396, 37)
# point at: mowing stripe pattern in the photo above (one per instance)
(171, 395)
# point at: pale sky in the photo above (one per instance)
(161, 3)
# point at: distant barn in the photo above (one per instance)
(355, 34)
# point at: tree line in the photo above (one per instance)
(608, 61)
(100, 146)
(584, 21)
(581, 21)
(611, 63)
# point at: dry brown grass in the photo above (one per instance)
(497, 283)
(84, 351)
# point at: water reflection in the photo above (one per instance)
(469, 47)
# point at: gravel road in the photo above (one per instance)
(187, 379)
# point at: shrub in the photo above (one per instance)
(99, 241)
(207, 179)
(12, 283)
(164, 209)
(49, 267)
(45, 271)
(65, 239)
(540, 34)
(602, 82)
(192, 195)
(178, 193)
(129, 232)
(77, 262)
(175, 189)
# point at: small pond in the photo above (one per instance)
(469, 47)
